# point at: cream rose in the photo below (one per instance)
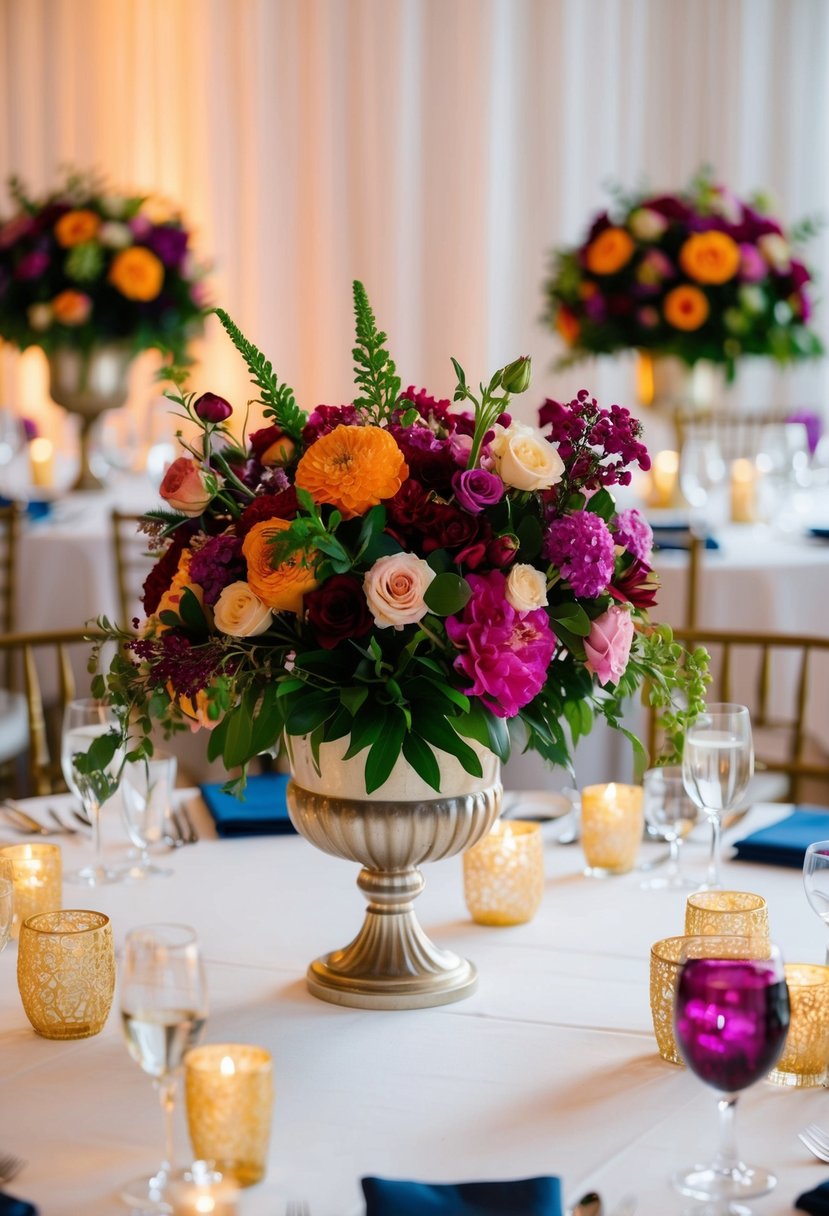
(526, 588)
(239, 613)
(524, 459)
(394, 588)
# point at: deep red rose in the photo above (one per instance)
(268, 506)
(338, 610)
(453, 529)
(472, 555)
(210, 407)
(411, 507)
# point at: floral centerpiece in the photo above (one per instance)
(84, 266)
(700, 274)
(406, 575)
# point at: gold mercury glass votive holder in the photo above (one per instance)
(805, 1057)
(665, 966)
(726, 913)
(612, 822)
(228, 1090)
(66, 972)
(38, 880)
(503, 874)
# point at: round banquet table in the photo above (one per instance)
(551, 1067)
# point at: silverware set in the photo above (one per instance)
(180, 829)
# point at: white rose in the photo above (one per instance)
(239, 613)
(114, 206)
(524, 459)
(775, 250)
(115, 235)
(394, 588)
(526, 588)
(645, 224)
(40, 316)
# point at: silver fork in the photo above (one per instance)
(10, 1166)
(298, 1207)
(191, 836)
(60, 823)
(816, 1141)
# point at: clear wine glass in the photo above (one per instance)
(670, 813)
(816, 881)
(146, 793)
(731, 1016)
(717, 765)
(163, 1011)
(701, 477)
(6, 900)
(91, 760)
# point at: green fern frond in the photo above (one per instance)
(374, 369)
(277, 398)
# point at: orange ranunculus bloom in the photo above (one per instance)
(609, 252)
(137, 273)
(353, 468)
(71, 307)
(710, 257)
(76, 227)
(281, 587)
(171, 599)
(567, 324)
(686, 307)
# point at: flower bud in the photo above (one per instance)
(502, 550)
(213, 409)
(515, 378)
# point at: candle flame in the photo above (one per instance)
(227, 1068)
(40, 450)
(204, 1203)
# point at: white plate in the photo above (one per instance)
(536, 804)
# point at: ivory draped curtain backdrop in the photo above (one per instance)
(437, 149)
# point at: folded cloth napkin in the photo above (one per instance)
(264, 811)
(9, 1206)
(816, 1202)
(677, 536)
(523, 1197)
(784, 843)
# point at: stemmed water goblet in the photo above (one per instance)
(731, 1018)
(701, 478)
(163, 1011)
(671, 813)
(717, 765)
(91, 759)
(816, 881)
(146, 790)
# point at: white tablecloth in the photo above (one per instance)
(551, 1067)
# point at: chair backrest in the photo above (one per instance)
(49, 663)
(10, 521)
(132, 564)
(776, 676)
(737, 434)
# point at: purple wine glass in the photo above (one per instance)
(731, 1019)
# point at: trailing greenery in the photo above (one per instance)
(278, 398)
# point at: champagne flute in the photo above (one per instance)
(816, 881)
(717, 765)
(6, 900)
(163, 1010)
(671, 813)
(146, 792)
(91, 759)
(731, 1017)
(701, 477)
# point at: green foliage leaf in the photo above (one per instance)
(530, 536)
(422, 759)
(572, 617)
(602, 504)
(447, 594)
(374, 369)
(278, 399)
(482, 726)
(384, 752)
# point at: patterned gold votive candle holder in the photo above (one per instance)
(665, 965)
(66, 972)
(38, 880)
(201, 1193)
(229, 1094)
(805, 1058)
(612, 822)
(726, 913)
(503, 874)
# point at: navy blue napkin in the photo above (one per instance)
(784, 843)
(38, 508)
(816, 1202)
(677, 536)
(9, 1206)
(264, 811)
(523, 1197)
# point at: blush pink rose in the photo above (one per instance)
(394, 588)
(608, 646)
(187, 487)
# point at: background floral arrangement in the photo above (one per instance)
(84, 266)
(699, 274)
(399, 573)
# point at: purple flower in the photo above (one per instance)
(753, 265)
(634, 532)
(476, 489)
(212, 408)
(581, 546)
(140, 226)
(325, 418)
(505, 655)
(31, 266)
(216, 564)
(169, 243)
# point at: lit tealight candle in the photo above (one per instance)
(612, 821)
(503, 874)
(42, 461)
(203, 1198)
(38, 880)
(743, 492)
(664, 479)
(229, 1093)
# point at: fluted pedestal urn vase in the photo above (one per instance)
(86, 383)
(391, 963)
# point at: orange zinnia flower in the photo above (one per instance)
(609, 252)
(353, 468)
(567, 325)
(710, 257)
(71, 307)
(280, 587)
(76, 227)
(686, 307)
(137, 273)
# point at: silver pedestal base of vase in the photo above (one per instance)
(392, 963)
(87, 384)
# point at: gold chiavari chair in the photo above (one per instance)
(738, 434)
(132, 564)
(775, 675)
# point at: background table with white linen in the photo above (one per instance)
(551, 1067)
